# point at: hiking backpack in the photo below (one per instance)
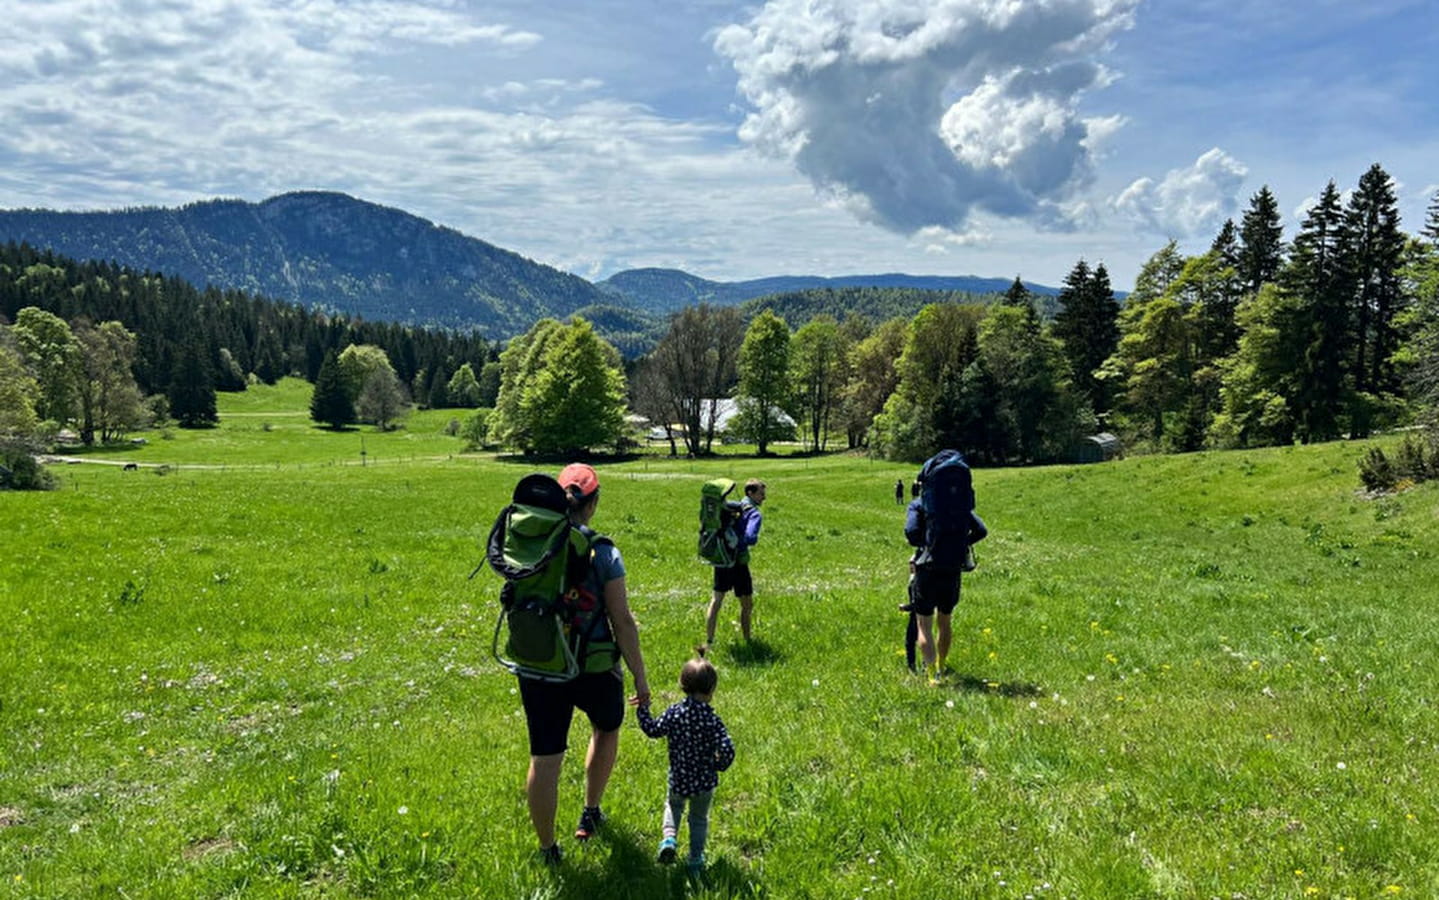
(719, 543)
(548, 614)
(946, 496)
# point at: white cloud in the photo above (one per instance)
(922, 112)
(1188, 201)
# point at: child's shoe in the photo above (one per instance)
(667, 850)
(590, 821)
(552, 855)
(695, 867)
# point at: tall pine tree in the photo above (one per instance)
(192, 388)
(1375, 250)
(1261, 238)
(330, 404)
(1318, 276)
(1087, 325)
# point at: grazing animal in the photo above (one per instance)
(132, 467)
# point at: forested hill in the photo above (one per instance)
(663, 291)
(876, 304)
(324, 250)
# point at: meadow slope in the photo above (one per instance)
(1207, 675)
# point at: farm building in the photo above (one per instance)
(1097, 448)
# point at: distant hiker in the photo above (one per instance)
(737, 577)
(597, 688)
(699, 749)
(942, 526)
(899, 490)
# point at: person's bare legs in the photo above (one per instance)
(542, 790)
(925, 641)
(712, 617)
(746, 607)
(943, 640)
(599, 763)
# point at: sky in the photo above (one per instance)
(734, 140)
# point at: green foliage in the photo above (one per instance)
(575, 402)
(561, 391)
(463, 388)
(47, 344)
(819, 368)
(476, 429)
(331, 404)
(19, 469)
(192, 389)
(922, 415)
(18, 391)
(764, 361)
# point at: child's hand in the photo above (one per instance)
(640, 699)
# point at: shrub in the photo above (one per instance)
(1376, 471)
(21, 471)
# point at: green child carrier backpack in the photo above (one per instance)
(548, 615)
(719, 539)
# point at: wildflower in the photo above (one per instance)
(1340, 766)
(404, 810)
(948, 704)
(1393, 889)
(814, 683)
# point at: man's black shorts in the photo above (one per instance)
(735, 578)
(934, 591)
(549, 707)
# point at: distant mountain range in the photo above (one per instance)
(338, 253)
(663, 291)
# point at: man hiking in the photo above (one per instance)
(737, 577)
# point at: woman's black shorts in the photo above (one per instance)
(550, 707)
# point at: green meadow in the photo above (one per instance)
(264, 671)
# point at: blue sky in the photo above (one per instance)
(830, 137)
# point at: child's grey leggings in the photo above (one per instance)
(699, 819)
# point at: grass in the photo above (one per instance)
(1207, 675)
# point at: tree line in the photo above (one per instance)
(1259, 340)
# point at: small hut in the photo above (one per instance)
(1097, 448)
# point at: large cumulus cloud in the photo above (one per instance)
(1188, 202)
(918, 113)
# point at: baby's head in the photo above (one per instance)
(698, 678)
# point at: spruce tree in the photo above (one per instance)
(1375, 248)
(1318, 278)
(330, 404)
(1087, 325)
(1261, 238)
(192, 388)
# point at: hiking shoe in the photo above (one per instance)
(695, 867)
(667, 850)
(590, 821)
(552, 855)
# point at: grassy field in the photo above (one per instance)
(1208, 675)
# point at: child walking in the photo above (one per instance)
(699, 749)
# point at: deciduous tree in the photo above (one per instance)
(764, 377)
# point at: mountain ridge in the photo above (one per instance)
(339, 253)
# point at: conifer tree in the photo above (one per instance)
(330, 404)
(1375, 246)
(1087, 325)
(1318, 277)
(192, 388)
(1261, 238)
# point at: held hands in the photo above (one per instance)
(642, 693)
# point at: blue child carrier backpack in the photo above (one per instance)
(946, 496)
